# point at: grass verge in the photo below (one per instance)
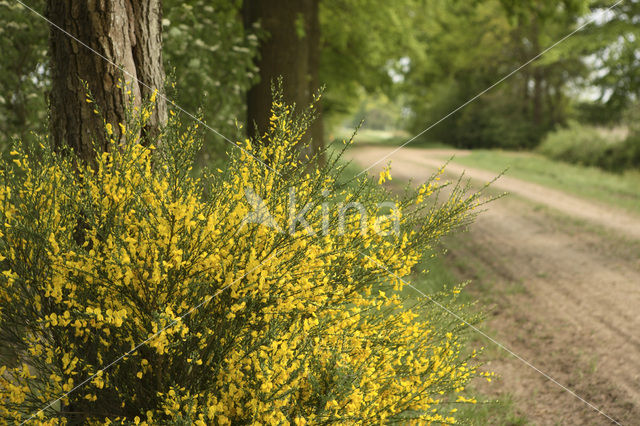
(619, 190)
(497, 408)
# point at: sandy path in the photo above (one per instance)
(572, 206)
(563, 297)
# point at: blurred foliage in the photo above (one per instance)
(577, 143)
(614, 44)
(376, 112)
(469, 46)
(209, 56)
(23, 72)
(430, 56)
(361, 41)
(593, 146)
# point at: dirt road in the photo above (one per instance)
(560, 280)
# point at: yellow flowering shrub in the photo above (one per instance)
(133, 290)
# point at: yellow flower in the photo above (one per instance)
(140, 251)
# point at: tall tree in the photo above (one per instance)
(289, 49)
(537, 24)
(124, 32)
(315, 52)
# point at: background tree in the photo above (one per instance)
(471, 45)
(612, 46)
(360, 57)
(289, 49)
(128, 34)
(209, 57)
(428, 56)
(536, 25)
(308, 44)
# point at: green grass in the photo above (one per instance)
(438, 275)
(492, 412)
(435, 274)
(620, 190)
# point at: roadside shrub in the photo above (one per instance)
(133, 291)
(592, 146)
(622, 156)
(576, 143)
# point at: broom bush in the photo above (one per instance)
(135, 290)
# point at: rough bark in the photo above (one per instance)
(291, 51)
(124, 32)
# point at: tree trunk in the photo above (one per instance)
(317, 128)
(283, 53)
(538, 92)
(537, 75)
(290, 51)
(124, 32)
